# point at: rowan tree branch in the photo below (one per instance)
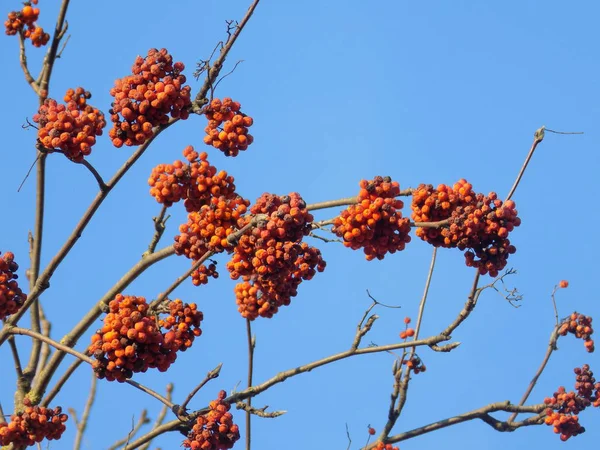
(82, 425)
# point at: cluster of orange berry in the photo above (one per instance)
(227, 127)
(203, 273)
(586, 385)
(214, 430)
(381, 446)
(408, 332)
(195, 183)
(11, 295)
(18, 20)
(131, 340)
(182, 325)
(415, 364)
(477, 223)
(32, 425)
(73, 127)
(375, 222)
(147, 98)
(209, 228)
(581, 327)
(271, 259)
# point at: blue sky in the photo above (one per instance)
(341, 90)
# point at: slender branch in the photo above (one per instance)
(50, 58)
(82, 425)
(161, 416)
(251, 341)
(164, 295)
(23, 61)
(469, 305)
(551, 347)
(101, 185)
(141, 421)
(35, 257)
(2, 415)
(45, 352)
(61, 382)
(165, 401)
(424, 298)
(215, 69)
(260, 412)
(49, 341)
(181, 410)
(16, 359)
(159, 228)
(482, 414)
(43, 280)
(537, 138)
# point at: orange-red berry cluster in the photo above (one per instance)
(145, 99)
(564, 407)
(581, 327)
(182, 325)
(195, 182)
(477, 223)
(11, 295)
(227, 127)
(375, 222)
(32, 425)
(209, 228)
(381, 446)
(203, 273)
(271, 259)
(70, 127)
(214, 430)
(131, 340)
(415, 364)
(24, 21)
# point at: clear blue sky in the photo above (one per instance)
(340, 90)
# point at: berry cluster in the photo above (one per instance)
(32, 425)
(415, 364)
(209, 228)
(146, 98)
(24, 22)
(272, 260)
(195, 182)
(183, 325)
(203, 273)
(227, 127)
(381, 446)
(11, 296)
(564, 407)
(581, 327)
(477, 223)
(71, 127)
(375, 222)
(214, 430)
(131, 341)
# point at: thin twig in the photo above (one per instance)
(134, 429)
(161, 416)
(251, 342)
(181, 410)
(260, 412)
(61, 382)
(94, 172)
(82, 425)
(15, 354)
(346, 201)
(23, 61)
(537, 138)
(563, 132)
(50, 58)
(59, 54)
(160, 222)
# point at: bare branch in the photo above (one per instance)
(161, 416)
(260, 412)
(537, 138)
(134, 429)
(182, 409)
(82, 425)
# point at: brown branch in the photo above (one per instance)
(251, 342)
(215, 69)
(260, 412)
(160, 222)
(61, 382)
(551, 347)
(82, 425)
(181, 409)
(23, 61)
(43, 280)
(101, 185)
(537, 138)
(165, 401)
(50, 58)
(466, 311)
(161, 416)
(134, 429)
(45, 352)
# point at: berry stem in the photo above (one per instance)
(23, 60)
